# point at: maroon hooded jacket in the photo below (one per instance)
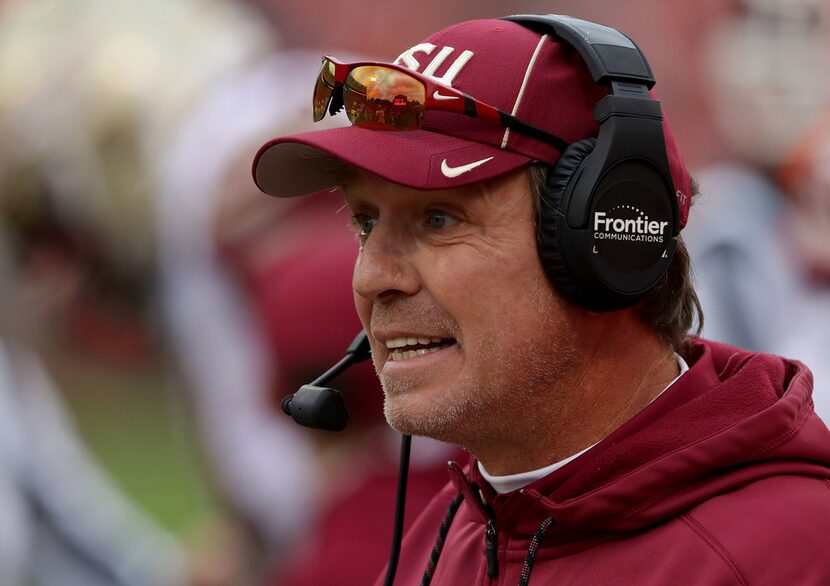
(724, 479)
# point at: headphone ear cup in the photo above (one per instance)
(552, 212)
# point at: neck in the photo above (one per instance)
(622, 367)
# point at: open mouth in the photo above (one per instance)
(406, 348)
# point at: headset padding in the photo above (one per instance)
(551, 213)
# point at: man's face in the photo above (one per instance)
(464, 327)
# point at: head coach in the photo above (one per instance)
(518, 198)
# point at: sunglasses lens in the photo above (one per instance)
(381, 98)
(323, 89)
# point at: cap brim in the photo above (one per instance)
(312, 161)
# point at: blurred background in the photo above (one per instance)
(156, 307)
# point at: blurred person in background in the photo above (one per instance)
(258, 465)
(88, 93)
(753, 247)
(806, 178)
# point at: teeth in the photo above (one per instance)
(403, 348)
(401, 342)
(398, 355)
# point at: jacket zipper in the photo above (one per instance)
(491, 541)
(474, 495)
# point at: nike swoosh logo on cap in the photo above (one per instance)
(438, 96)
(461, 169)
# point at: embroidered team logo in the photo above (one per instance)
(409, 60)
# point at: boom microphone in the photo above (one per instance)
(319, 407)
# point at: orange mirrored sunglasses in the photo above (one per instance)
(383, 96)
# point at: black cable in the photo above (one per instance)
(400, 505)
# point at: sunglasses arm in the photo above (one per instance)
(514, 123)
(469, 106)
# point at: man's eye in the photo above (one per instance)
(437, 220)
(363, 224)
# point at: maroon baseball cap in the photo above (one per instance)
(533, 77)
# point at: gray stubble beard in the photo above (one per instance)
(500, 407)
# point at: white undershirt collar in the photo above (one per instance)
(511, 482)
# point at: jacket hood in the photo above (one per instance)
(735, 417)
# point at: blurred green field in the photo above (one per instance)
(135, 420)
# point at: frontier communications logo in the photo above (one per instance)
(628, 223)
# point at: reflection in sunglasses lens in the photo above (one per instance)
(381, 98)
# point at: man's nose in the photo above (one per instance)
(385, 268)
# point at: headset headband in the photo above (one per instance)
(609, 54)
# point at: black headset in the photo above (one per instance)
(608, 215)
